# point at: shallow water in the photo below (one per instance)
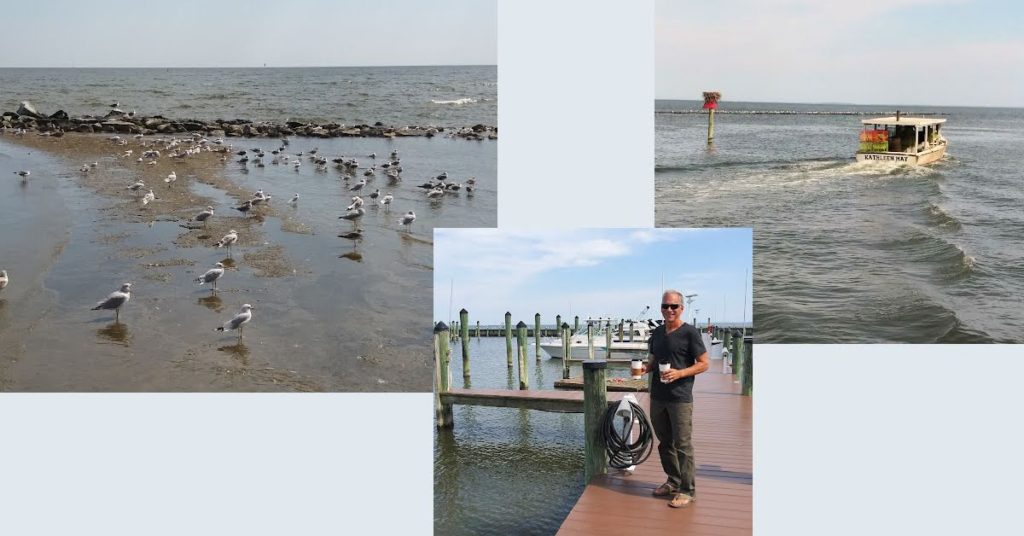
(330, 323)
(848, 252)
(502, 470)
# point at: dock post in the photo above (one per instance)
(508, 337)
(464, 336)
(442, 375)
(595, 403)
(558, 326)
(576, 329)
(726, 345)
(608, 340)
(536, 335)
(737, 343)
(622, 332)
(740, 357)
(478, 330)
(566, 350)
(747, 379)
(524, 380)
(590, 340)
(630, 331)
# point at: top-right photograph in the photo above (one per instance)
(874, 148)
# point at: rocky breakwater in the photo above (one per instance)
(121, 122)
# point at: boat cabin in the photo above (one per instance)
(903, 140)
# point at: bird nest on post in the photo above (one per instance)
(711, 99)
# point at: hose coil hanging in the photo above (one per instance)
(621, 452)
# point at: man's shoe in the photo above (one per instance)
(664, 490)
(681, 500)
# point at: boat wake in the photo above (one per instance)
(456, 102)
(940, 218)
(945, 259)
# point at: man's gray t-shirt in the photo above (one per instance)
(681, 348)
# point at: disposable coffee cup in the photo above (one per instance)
(664, 367)
(636, 366)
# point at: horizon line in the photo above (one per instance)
(267, 66)
(847, 103)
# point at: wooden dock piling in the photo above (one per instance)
(508, 337)
(590, 340)
(566, 350)
(595, 403)
(464, 335)
(478, 330)
(576, 326)
(524, 380)
(608, 340)
(442, 375)
(630, 331)
(536, 335)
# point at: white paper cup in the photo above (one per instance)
(664, 367)
(636, 367)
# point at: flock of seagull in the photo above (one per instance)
(435, 187)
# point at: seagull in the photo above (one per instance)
(116, 300)
(23, 174)
(115, 105)
(386, 201)
(436, 192)
(369, 172)
(353, 214)
(228, 239)
(372, 155)
(408, 219)
(260, 200)
(3, 279)
(147, 198)
(171, 178)
(211, 275)
(245, 207)
(375, 194)
(354, 235)
(84, 168)
(242, 318)
(356, 203)
(204, 215)
(358, 186)
(295, 200)
(137, 186)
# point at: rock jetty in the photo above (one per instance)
(121, 122)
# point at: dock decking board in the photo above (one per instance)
(613, 504)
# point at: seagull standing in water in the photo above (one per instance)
(353, 215)
(243, 317)
(386, 201)
(408, 219)
(171, 178)
(295, 200)
(356, 203)
(228, 240)
(116, 300)
(204, 215)
(3, 279)
(23, 174)
(211, 275)
(149, 197)
(358, 186)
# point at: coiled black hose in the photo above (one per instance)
(622, 453)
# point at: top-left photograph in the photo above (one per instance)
(225, 199)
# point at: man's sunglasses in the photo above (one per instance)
(672, 306)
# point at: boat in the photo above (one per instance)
(632, 344)
(914, 141)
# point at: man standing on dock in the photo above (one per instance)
(678, 353)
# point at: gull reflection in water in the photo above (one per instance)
(212, 302)
(238, 351)
(117, 333)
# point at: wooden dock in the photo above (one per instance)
(614, 504)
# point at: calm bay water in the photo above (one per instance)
(449, 96)
(849, 252)
(501, 470)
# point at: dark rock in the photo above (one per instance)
(26, 108)
(59, 115)
(479, 128)
(153, 122)
(295, 124)
(84, 128)
(123, 127)
(378, 124)
(192, 126)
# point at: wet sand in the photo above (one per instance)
(329, 316)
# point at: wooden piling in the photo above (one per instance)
(608, 340)
(590, 340)
(566, 350)
(576, 328)
(508, 337)
(595, 403)
(477, 329)
(464, 336)
(747, 377)
(442, 375)
(630, 331)
(524, 380)
(536, 335)
(558, 325)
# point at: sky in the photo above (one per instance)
(931, 52)
(590, 272)
(297, 33)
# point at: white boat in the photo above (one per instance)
(624, 349)
(902, 140)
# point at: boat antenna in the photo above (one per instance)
(451, 293)
(897, 119)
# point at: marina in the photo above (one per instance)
(611, 502)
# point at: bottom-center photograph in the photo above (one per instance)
(593, 381)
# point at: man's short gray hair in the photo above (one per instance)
(676, 292)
